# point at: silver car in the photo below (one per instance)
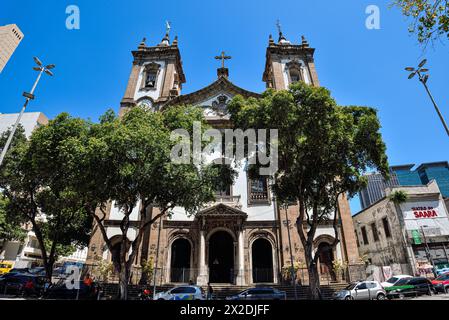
(261, 293)
(181, 293)
(362, 290)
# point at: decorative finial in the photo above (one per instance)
(167, 28)
(142, 44)
(166, 40)
(175, 41)
(304, 42)
(281, 36)
(270, 39)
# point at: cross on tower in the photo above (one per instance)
(223, 57)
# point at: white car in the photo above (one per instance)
(363, 290)
(394, 279)
(181, 293)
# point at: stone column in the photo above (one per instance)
(241, 260)
(202, 270)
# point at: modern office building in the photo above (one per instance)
(29, 121)
(10, 37)
(439, 171)
(403, 175)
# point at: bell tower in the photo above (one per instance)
(156, 75)
(287, 63)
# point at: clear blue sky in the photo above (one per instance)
(360, 66)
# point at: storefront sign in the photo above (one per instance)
(429, 217)
(425, 212)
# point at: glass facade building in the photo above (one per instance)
(438, 171)
(403, 175)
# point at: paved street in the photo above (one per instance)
(433, 297)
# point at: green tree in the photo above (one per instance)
(9, 229)
(34, 179)
(323, 151)
(430, 18)
(133, 153)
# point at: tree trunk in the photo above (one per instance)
(123, 282)
(314, 281)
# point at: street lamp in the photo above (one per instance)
(29, 96)
(423, 77)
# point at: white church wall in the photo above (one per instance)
(115, 231)
(116, 213)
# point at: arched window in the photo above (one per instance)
(150, 75)
(294, 70)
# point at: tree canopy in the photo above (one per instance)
(430, 18)
(34, 179)
(323, 151)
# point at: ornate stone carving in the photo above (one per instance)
(220, 105)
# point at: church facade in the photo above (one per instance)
(244, 237)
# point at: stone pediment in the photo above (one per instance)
(222, 210)
(221, 86)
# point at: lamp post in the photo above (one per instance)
(293, 273)
(29, 96)
(423, 78)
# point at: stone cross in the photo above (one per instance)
(223, 57)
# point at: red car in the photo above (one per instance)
(441, 283)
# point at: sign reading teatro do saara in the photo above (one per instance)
(432, 216)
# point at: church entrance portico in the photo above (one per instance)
(221, 257)
(220, 243)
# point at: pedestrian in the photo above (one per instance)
(210, 291)
(191, 282)
(28, 288)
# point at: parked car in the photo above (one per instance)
(61, 291)
(260, 293)
(441, 283)
(362, 290)
(15, 283)
(37, 271)
(182, 293)
(442, 271)
(410, 287)
(19, 270)
(394, 279)
(5, 266)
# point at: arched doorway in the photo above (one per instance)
(326, 257)
(221, 257)
(180, 261)
(117, 242)
(262, 260)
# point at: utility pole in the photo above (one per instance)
(423, 78)
(429, 255)
(29, 96)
